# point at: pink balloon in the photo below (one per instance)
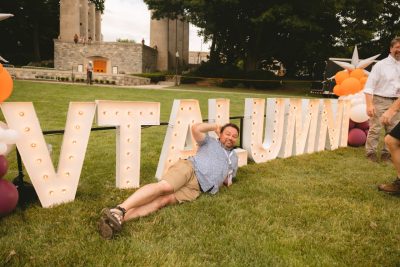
(357, 137)
(363, 125)
(8, 197)
(3, 165)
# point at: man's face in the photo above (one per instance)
(395, 51)
(228, 137)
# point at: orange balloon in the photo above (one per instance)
(357, 73)
(351, 86)
(337, 90)
(6, 85)
(340, 76)
(363, 80)
(1, 68)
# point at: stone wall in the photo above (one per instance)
(69, 76)
(125, 58)
(149, 62)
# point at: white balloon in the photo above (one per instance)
(3, 149)
(357, 101)
(10, 148)
(10, 136)
(358, 113)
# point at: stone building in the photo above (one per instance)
(168, 51)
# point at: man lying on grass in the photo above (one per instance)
(214, 164)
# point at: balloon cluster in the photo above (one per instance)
(349, 85)
(6, 84)
(357, 133)
(349, 82)
(8, 137)
(8, 191)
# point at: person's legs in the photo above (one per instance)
(392, 141)
(90, 77)
(150, 207)
(373, 138)
(393, 145)
(147, 194)
(386, 153)
(146, 200)
(375, 127)
(178, 184)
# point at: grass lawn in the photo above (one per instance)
(321, 209)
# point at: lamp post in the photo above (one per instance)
(176, 67)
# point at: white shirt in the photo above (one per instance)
(384, 79)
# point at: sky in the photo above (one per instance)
(130, 19)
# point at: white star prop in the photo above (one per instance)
(2, 59)
(355, 62)
(5, 16)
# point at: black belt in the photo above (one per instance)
(391, 98)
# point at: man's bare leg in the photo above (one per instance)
(151, 207)
(147, 194)
(393, 145)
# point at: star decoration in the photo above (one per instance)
(4, 16)
(355, 62)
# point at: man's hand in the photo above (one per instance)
(199, 130)
(386, 118)
(218, 130)
(370, 110)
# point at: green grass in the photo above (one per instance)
(321, 209)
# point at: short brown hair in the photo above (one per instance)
(230, 125)
(394, 41)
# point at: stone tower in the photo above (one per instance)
(79, 17)
(171, 37)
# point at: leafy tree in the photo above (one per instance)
(28, 36)
(297, 33)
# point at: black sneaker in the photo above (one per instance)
(393, 188)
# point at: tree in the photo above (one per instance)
(297, 33)
(28, 36)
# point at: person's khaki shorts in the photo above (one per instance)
(182, 178)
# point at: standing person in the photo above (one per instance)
(76, 38)
(89, 72)
(392, 141)
(214, 164)
(381, 90)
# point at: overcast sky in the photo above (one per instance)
(130, 19)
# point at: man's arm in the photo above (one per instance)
(370, 105)
(199, 130)
(388, 115)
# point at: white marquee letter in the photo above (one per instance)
(179, 142)
(258, 150)
(51, 187)
(128, 117)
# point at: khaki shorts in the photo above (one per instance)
(182, 178)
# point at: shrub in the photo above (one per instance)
(154, 77)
